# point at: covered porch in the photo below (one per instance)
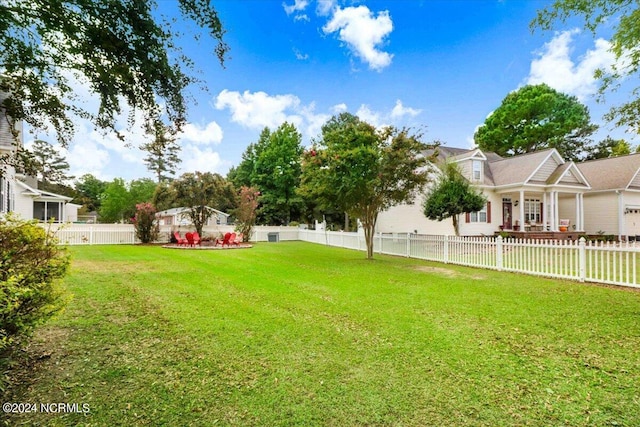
(543, 211)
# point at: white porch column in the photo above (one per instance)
(582, 212)
(621, 222)
(545, 211)
(556, 207)
(552, 209)
(521, 202)
(578, 224)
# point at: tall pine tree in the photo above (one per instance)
(162, 153)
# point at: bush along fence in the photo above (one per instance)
(580, 260)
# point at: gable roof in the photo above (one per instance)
(522, 168)
(614, 173)
(41, 194)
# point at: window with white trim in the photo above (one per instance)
(476, 170)
(480, 216)
(532, 211)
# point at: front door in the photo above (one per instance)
(507, 210)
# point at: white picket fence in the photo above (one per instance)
(610, 263)
(118, 234)
(591, 261)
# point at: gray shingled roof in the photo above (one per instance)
(614, 173)
(515, 170)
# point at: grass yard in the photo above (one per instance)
(300, 334)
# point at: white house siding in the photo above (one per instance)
(601, 212)
(465, 168)
(567, 209)
(484, 228)
(409, 218)
(23, 205)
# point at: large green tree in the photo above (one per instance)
(537, 117)
(126, 51)
(272, 165)
(364, 171)
(51, 166)
(90, 190)
(620, 18)
(277, 176)
(119, 198)
(451, 196)
(115, 201)
(609, 147)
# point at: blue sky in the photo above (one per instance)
(442, 66)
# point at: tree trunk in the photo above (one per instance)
(455, 224)
(369, 225)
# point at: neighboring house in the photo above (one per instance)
(612, 205)
(180, 216)
(529, 192)
(19, 193)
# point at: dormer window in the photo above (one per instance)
(476, 170)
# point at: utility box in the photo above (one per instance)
(273, 237)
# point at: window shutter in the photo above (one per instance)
(541, 213)
(467, 217)
(489, 212)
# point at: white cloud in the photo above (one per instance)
(313, 121)
(88, 157)
(297, 6)
(195, 159)
(373, 118)
(400, 111)
(300, 56)
(555, 66)
(395, 116)
(259, 109)
(210, 134)
(362, 32)
(324, 7)
(339, 108)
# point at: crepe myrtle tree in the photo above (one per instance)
(246, 212)
(451, 196)
(363, 170)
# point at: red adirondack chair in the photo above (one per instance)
(180, 241)
(196, 238)
(224, 241)
(189, 237)
(236, 240)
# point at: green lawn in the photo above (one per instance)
(301, 334)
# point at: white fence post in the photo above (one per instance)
(446, 249)
(408, 245)
(91, 235)
(582, 251)
(499, 253)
